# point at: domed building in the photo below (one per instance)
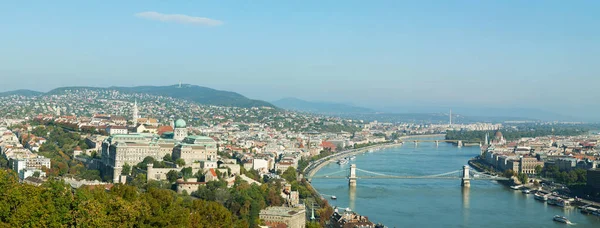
(180, 131)
(499, 138)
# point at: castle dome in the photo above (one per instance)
(180, 123)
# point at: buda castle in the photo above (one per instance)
(121, 149)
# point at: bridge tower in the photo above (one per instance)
(416, 142)
(465, 180)
(352, 177)
(460, 143)
(437, 142)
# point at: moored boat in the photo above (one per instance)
(540, 196)
(589, 210)
(343, 161)
(333, 197)
(564, 203)
(552, 200)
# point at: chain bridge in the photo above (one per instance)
(464, 174)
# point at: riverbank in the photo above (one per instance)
(481, 166)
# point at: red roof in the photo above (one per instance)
(163, 129)
(330, 145)
(213, 172)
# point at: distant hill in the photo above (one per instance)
(21, 92)
(198, 94)
(426, 118)
(296, 104)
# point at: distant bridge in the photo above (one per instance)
(465, 175)
(459, 143)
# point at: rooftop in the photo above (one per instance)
(281, 211)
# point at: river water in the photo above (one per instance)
(436, 202)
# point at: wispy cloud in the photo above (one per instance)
(179, 18)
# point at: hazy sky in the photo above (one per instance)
(543, 54)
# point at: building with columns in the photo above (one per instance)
(196, 148)
(131, 149)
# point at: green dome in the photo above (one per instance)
(180, 123)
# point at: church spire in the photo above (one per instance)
(135, 113)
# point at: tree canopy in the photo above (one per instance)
(55, 204)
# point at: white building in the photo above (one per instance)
(116, 130)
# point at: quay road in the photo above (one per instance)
(314, 167)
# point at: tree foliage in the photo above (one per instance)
(126, 169)
(54, 204)
(59, 147)
(172, 176)
(574, 176)
(243, 200)
(180, 162)
(524, 130)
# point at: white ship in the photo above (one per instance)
(540, 196)
(562, 219)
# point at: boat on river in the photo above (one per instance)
(553, 200)
(540, 196)
(343, 161)
(590, 210)
(561, 219)
(333, 197)
(516, 187)
(564, 203)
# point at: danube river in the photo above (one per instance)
(434, 202)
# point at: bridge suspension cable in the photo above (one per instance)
(329, 174)
(380, 174)
(444, 174)
(425, 176)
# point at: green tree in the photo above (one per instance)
(509, 173)
(523, 178)
(168, 158)
(180, 162)
(172, 176)
(126, 169)
(187, 172)
(36, 174)
(538, 169)
(313, 225)
(289, 174)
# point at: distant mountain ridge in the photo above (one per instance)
(21, 92)
(194, 93)
(296, 104)
(383, 115)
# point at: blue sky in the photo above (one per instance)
(539, 54)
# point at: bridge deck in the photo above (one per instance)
(407, 177)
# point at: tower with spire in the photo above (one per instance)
(135, 113)
(450, 117)
(487, 138)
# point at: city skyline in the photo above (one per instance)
(494, 54)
